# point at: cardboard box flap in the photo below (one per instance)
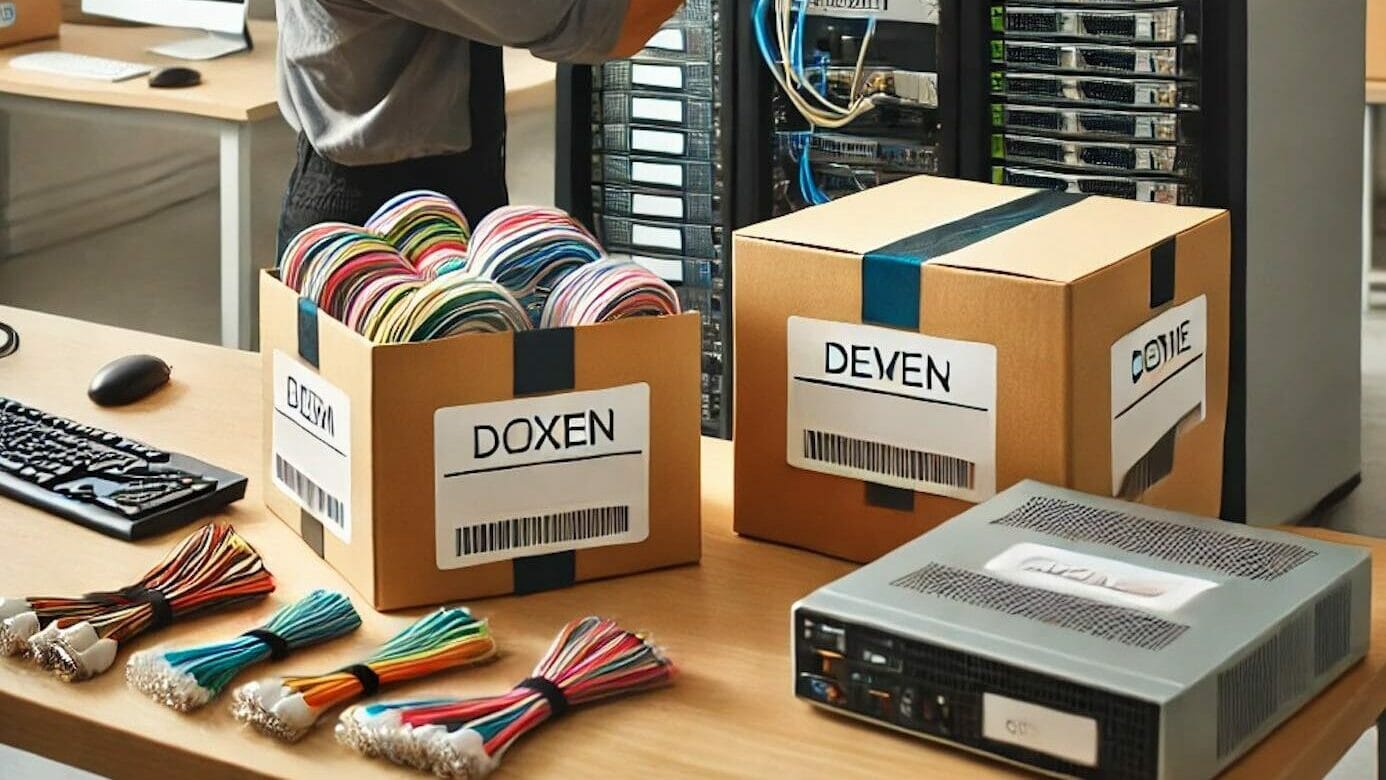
(1070, 243)
(869, 220)
(1061, 243)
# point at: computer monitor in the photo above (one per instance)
(224, 21)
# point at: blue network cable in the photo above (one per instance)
(189, 678)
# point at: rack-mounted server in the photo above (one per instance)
(1250, 106)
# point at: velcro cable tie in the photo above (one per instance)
(370, 681)
(278, 646)
(158, 604)
(558, 701)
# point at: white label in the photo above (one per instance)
(1065, 735)
(916, 11)
(668, 270)
(311, 444)
(892, 407)
(1159, 388)
(662, 237)
(8, 14)
(667, 39)
(662, 76)
(670, 206)
(1145, 27)
(1101, 579)
(661, 141)
(656, 109)
(667, 174)
(538, 475)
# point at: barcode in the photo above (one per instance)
(319, 501)
(889, 460)
(537, 530)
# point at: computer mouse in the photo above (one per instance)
(175, 77)
(127, 380)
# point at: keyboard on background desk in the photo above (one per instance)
(103, 480)
(81, 66)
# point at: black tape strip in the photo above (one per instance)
(310, 528)
(558, 701)
(890, 497)
(278, 646)
(308, 331)
(370, 681)
(158, 604)
(1162, 261)
(544, 363)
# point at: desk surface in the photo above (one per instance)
(1376, 91)
(730, 712)
(239, 87)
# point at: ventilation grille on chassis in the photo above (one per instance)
(1117, 624)
(1232, 554)
(1281, 669)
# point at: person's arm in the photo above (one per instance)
(582, 31)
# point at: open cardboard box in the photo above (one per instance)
(482, 464)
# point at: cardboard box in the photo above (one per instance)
(1077, 341)
(1376, 40)
(421, 471)
(29, 20)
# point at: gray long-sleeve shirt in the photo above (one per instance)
(375, 81)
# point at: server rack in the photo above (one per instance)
(1250, 106)
(642, 159)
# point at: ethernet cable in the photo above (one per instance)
(591, 659)
(188, 678)
(288, 707)
(782, 64)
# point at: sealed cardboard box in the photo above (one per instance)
(908, 351)
(29, 20)
(1376, 40)
(482, 464)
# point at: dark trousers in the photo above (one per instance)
(321, 191)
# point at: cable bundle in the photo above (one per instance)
(77, 638)
(528, 250)
(786, 64)
(287, 707)
(189, 678)
(591, 659)
(609, 289)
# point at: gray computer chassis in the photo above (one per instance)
(1087, 637)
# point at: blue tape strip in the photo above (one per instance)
(308, 331)
(890, 275)
(890, 280)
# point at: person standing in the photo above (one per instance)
(395, 95)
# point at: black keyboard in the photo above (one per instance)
(103, 480)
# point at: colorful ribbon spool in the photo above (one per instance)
(528, 250)
(609, 289)
(427, 228)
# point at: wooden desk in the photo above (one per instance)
(724, 622)
(235, 101)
